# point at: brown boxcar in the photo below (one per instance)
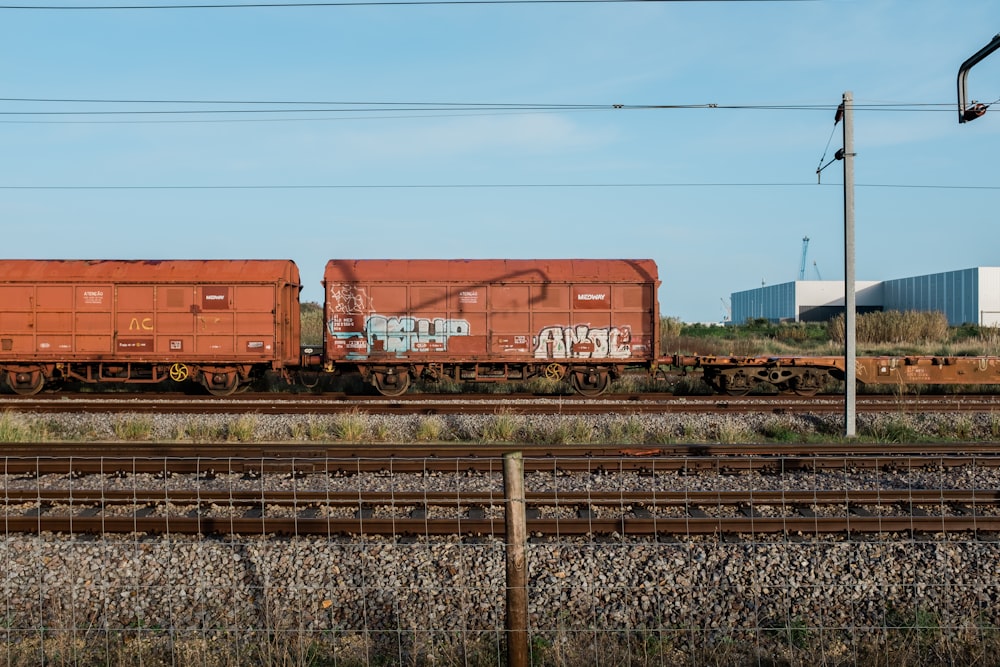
(218, 322)
(490, 320)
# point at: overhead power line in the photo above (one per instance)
(356, 3)
(292, 107)
(394, 104)
(878, 106)
(471, 186)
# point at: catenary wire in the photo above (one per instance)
(358, 3)
(422, 109)
(469, 186)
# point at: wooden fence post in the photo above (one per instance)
(517, 570)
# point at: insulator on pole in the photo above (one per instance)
(974, 111)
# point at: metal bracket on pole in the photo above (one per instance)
(965, 111)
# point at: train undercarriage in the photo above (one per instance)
(808, 376)
(735, 376)
(585, 379)
(218, 380)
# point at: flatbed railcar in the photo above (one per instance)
(217, 322)
(737, 376)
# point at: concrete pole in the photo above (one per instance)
(517, 568)
(850, 306)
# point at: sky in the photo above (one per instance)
(686, 132)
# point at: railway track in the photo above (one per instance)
(481, 514)
(101, 458)
(73, 488)
(273, 403)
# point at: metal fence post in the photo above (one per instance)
(517, 570)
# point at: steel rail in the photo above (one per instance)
(187, 512)
(487, 404)
(382, 453)
(729, 465)
(696, 458)
(400, 527)
(652, 498)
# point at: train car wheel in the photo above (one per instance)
(221, 384)
(590, 383)
(391, 384)
(735, 383)
(808, 384)
(25, 383)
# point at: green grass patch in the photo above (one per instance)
(350, 426)
(504, 426)
(201, 430)
(243, 428)
(429, 429)
(132, 427)
(18, 428)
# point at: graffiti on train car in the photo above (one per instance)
(584, 342)
(347, 298)
(412, 334)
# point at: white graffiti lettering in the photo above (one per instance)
(349, 298)
(583, 342)
(590, 297)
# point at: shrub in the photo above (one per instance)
(311, 320)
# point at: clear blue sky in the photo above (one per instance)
(362, 156)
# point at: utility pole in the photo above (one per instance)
(802, 262)
(850, 312)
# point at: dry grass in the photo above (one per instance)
(917, 641)
(504, 426)
(509, 427)
(429, 429)
(243, 428)
(627, 430)
(350, 426)
(18, 428)
(895, 328)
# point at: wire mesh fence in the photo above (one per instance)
(415, 598)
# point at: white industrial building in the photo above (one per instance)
(965, 296)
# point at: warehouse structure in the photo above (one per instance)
(967, 296)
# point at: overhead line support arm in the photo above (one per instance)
(966, 112)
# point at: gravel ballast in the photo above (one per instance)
(409, 597)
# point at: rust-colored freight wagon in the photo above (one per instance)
(490, 320)
(217, 322)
